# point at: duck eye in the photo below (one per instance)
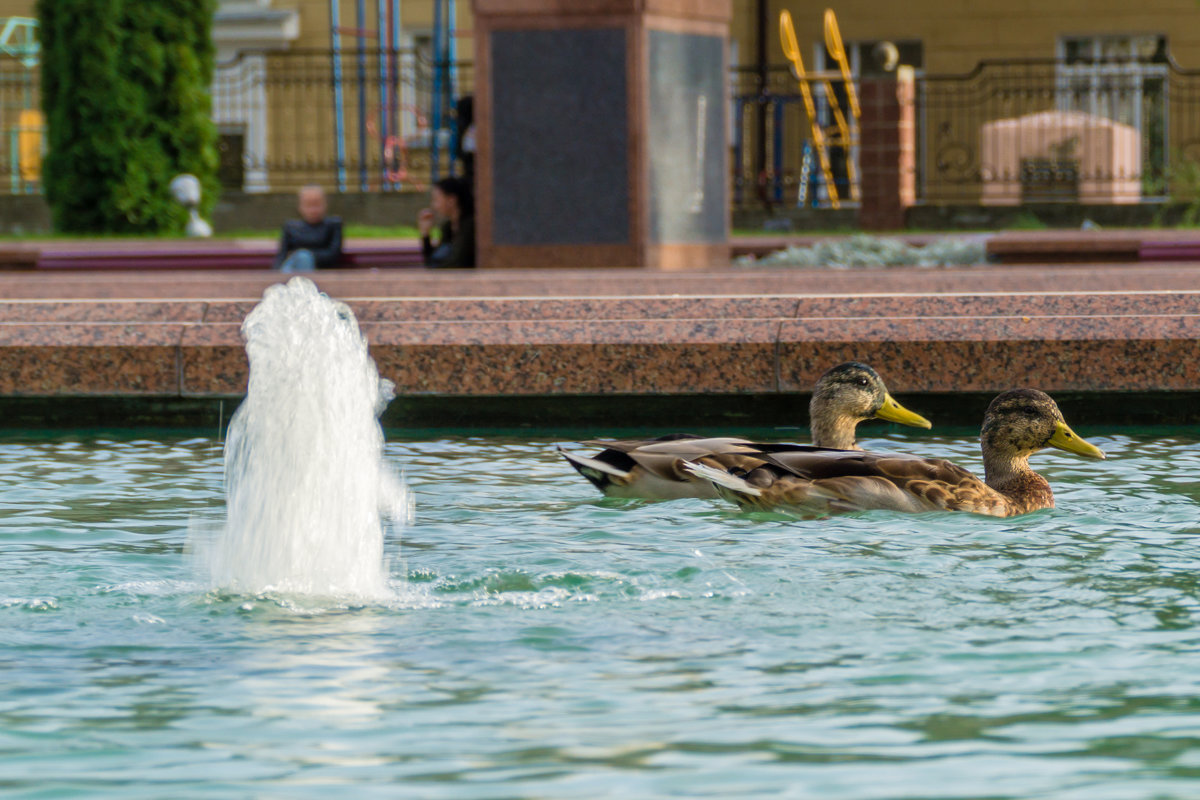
(862, 381)
(1030, 410)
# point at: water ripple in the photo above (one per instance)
(542, 641)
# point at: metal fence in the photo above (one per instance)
(773, 161)
(361, 120)
(1013, 132)
(21, 127)
(1008, 132)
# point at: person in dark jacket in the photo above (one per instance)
(450, 201)
(312, 241)
(464, 139)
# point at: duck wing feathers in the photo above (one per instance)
(827, 481)
(652, 468)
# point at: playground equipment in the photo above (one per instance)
(381, 123)
(18, 38)
(443, 79)
(844, 132)
(20, 118)
(396, 163)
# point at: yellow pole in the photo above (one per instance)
(833, 40)
(848, 133)
(791, 51)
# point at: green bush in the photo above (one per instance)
(125, 90)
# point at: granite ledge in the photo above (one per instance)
(1086, 343)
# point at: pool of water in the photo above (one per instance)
(545, 642)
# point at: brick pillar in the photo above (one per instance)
(887, 150)
(600, 131)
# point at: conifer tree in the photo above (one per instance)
(125, 90)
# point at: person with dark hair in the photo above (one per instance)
(452, 203)
(464, 141)
(312, 241)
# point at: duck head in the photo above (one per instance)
(1020, 422)
(848, 394)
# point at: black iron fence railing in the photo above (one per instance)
(364, 120)
(1007, 132)
(771, 139)
(1013, 132)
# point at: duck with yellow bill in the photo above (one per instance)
(843, 397)
(1017, 424)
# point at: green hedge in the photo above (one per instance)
(125, 90)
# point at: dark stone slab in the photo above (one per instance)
(566, 91)
(1065, 247)
(1183, 250)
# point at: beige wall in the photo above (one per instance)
(16, 8)
(415, 16)
(957, 33)
(314, 18)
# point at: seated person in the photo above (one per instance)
(451, 202)
(312, 241)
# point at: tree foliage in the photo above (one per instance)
(125, 90)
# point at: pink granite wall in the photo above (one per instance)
(1102, 341)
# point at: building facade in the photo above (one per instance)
(952, 37)
(336, 92)
(1085, 98)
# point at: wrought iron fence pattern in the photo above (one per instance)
(362, 121)
(1012, 131)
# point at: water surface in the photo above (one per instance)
(545, 642)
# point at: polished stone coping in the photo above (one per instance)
(574, 283)
(560, 333)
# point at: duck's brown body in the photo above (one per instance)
(830, 482)
(1018, 424)
(652, 468)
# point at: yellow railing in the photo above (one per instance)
(844, 132)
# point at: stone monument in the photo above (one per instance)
(601, 133)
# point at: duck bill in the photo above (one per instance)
(1066, 439)
(894, 412)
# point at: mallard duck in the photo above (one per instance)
(650, 468)
(1017, 424)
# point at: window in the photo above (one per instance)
(416, 89)
(1122, 78)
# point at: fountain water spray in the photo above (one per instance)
(306, 488)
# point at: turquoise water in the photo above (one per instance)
(546, 643)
